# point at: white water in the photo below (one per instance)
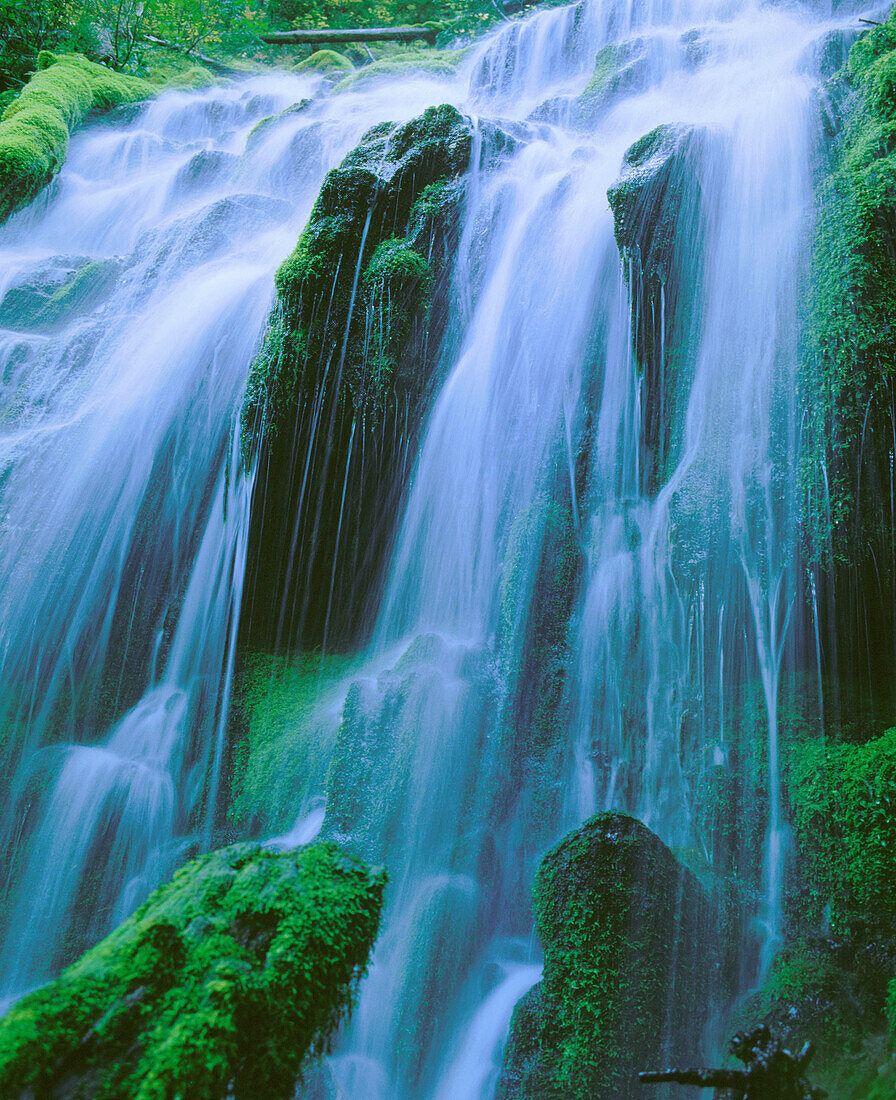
(122, 539)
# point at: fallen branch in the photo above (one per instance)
(358, 34)
(208, 62)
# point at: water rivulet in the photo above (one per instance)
(488, 511)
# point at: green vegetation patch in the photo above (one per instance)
(620, 971)
(282, 754)
(843, 804)
(35, 127)
(221, 984)
(850, 355)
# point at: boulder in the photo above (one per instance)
(657, 209)
(627, 940)
(337, 394)
(219, 986)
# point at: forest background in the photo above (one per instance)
(115, 32)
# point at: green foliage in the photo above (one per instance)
(850, 354)
(843, 801)
(35, 127)
(284, 750)
(221, 984)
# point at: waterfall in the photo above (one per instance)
(598, 554)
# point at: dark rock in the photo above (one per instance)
(337, 395)
(627, 936)
(657, 208)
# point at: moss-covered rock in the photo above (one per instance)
(620, 68)
(35, 127)
(220, 985)
(628, 964)
(656, 205)
(44, 302)
(849, 365)
(327, 63)
(346, 370)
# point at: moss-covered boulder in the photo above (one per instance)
(337, 393)
(620, 68)
(656, 205)
(628, 964)
(219, 986)
(57, 291)
(35, 127)
(325, 63)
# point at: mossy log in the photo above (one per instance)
(220, 985)
(35, 127)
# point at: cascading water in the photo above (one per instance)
(124, 515)
(599, 548)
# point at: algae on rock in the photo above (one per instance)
(627, 972)
(35, 127)
(343, 378)
(220, 985)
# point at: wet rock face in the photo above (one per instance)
(628, 963)
(336, 397)
(657, 209)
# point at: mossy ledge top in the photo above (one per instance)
(220, 985)
(35, 127)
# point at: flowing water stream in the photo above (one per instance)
(542, 482)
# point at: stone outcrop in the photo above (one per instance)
(626, 932)
(336, 397)
(656, 205)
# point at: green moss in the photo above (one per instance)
(328, 62)
(222, 983)
(843, 801)
(35, 127)
(850, 347)
(431, 62)
(608, 898)
(283, 753)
